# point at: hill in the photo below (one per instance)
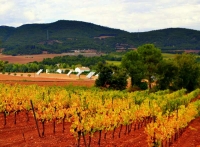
(67, 36)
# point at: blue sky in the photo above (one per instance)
(128, 15)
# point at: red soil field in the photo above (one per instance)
(23, 59)
(47, 79)
(24, 133)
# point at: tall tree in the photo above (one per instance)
(188, 75)
(131, 61)
(2, 65)
(142, 63)
(150, 57)
(166, 73)
(105, 74)
(111, 76)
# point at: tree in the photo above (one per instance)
(166, 73)
(131, 61)
(2, 65)
(142, 63)
(188, 75)
(119, 78)
(111, 76)
(150, 57)
(105, 74)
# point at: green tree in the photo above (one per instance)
(150, 57)
(142, 63)
(105, 74)
(2, 65)
(166, 73)
(119, 78)
(188, 75)
(131, 61)
(111, 76)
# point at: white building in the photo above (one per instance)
(60, 70)
(81, 69)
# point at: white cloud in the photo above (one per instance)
(6, 6)
(129, 15)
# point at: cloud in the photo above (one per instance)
(129, 15)
(6, 6)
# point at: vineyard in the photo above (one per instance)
(94, 117)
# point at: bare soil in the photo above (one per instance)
(47, 79)
(23, 59)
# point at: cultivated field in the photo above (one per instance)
(23, 59)
(20, 129)
(21, 132)
(47, 79)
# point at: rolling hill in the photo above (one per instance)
(66, 36)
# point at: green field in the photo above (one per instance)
(117, 63)
(168, 55)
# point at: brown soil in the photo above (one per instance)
(47, 79)
(23, 59)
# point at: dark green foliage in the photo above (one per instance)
(2, 65)
(166, 73)
(65, 36)
(188, 75)
(143, 85)
(105, 74)
(131, 61)
(111, 76)
(74, 60)
(150, 57)
(142, 64)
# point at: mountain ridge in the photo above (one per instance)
(79, 35)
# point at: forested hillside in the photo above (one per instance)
(66, 36)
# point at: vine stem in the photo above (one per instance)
(99, 142)
(43, 127)
(4, 114)
(120, 130)
(35, 119)
(84, 139)
(15, 120)
(54, 126)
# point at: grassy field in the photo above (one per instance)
(168, 55)
(114, 62)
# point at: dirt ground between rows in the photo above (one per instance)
(24, 134)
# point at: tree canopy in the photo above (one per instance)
(111, 76)
(142, 63)
(147, 63)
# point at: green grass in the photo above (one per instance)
(168, 55)
(117, 63)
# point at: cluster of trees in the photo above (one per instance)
(147, 63)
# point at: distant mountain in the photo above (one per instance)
(65, 36)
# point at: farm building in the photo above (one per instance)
(81, 69)
(60, 70)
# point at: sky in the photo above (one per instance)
(128, 15)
